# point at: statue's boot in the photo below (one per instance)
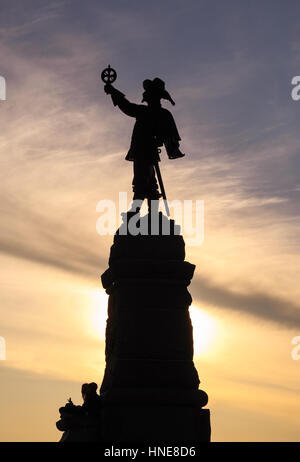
(134, 209)
(153, 205)
(135, 206)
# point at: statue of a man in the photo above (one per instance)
(153, 128)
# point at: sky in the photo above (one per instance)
(228, 65)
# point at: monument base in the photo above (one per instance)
(149, 392)
(155, 416)
(144, 423)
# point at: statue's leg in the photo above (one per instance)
(138, 185)
(140, 178)
(144, 183)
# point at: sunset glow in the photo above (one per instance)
(98, 317)
(205, 331)
(205, 327)
(228, 66)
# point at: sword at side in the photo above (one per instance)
(162, 189)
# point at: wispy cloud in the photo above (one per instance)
(62, 138)
(262, 305)
(62, 149)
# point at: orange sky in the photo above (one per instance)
(62, 149)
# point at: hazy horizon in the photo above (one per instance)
(63, 145)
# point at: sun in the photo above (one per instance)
(204, 330)
(204, 325)
(99, 300)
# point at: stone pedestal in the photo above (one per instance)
(150, 386)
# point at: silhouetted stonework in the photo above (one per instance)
(150, 386)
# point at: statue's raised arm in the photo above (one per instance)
(118, 99)
(154, 127)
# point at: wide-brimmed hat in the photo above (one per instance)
(156, 88)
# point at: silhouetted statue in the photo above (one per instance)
(150, 388)
(74, 419)
(91, 400)
(154, 128)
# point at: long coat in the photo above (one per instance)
(153, 128)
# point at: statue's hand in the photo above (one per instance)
(108, 88)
